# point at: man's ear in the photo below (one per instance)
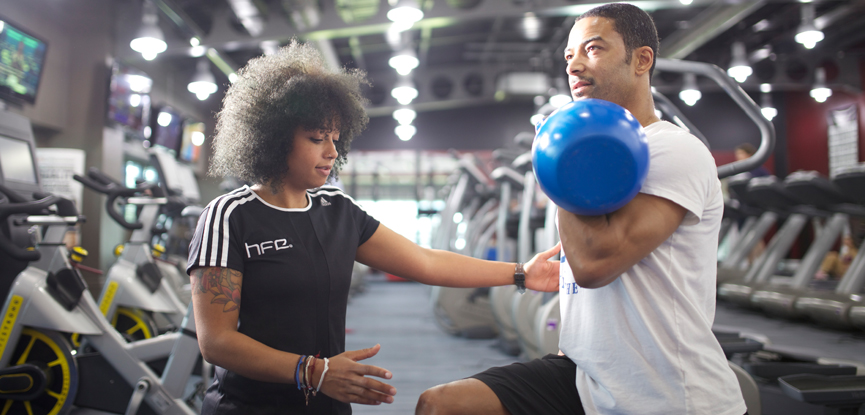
(644, 58)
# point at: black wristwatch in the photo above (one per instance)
(520, 278)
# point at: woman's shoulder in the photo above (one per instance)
(231, 199)
(328, 195)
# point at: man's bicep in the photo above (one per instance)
(216, 297)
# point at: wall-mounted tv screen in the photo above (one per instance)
(22, 59)
(193, 139)
(166, 127)
(129, 98)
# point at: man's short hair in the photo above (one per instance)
(634, 24)
(748, 148)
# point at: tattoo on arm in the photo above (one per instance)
(223, 283)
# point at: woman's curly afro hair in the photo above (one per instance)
(273, 96)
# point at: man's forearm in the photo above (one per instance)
(589, 242)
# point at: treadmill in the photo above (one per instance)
(768, 193)
(811, 191)
(757, 223)
(834, 308)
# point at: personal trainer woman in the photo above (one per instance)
(271, 263)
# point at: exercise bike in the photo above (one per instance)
(135, 286)
(42, 373)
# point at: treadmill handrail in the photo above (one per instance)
(767, 130)
(665, 105)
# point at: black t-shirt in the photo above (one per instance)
(296, 266)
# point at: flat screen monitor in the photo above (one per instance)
(16, 161)
(22, 59)
(167, 128)
(129, 98)
(193, 139)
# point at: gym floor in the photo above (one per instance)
(421, 355)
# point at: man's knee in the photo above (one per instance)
(461, 397)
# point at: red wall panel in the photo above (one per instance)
(807, 134)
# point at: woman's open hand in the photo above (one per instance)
(347, 381)
(541, 273)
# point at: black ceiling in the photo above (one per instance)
(484, 37)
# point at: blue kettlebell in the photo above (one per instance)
(590, 157)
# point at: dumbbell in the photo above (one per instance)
(590, 157)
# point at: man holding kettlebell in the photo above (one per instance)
(637, 284)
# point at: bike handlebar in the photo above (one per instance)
(99, 182)
(32, 208)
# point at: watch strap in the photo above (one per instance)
(520, 278)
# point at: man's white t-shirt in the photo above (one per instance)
(643, 344)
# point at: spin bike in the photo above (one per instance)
(136, 286)
(42, 373)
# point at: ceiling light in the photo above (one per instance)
(559, 100)
(405, 132)
(532, 26)
(404, 61)
(807, 34)
(203, 83)
(134, 100)
(404, 91)
(197, 51)
(404, 116)
(193, 41)
(686, 2)
(766, 106)
(149, 40)
(560, 95)
(197, 138)
(536, 119)
(393, 35)
(761, 26)
(765, 88)
(232, 77)
(269, 47)
(690, 94)
(163, 119)
(139, 83)
(405, 12)
(739, 68)
(820, 92)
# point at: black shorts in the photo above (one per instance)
(543, 386)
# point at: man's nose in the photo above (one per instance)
(575, 66)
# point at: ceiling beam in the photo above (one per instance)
(423, 47)
(356, 52)
(706, 26)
